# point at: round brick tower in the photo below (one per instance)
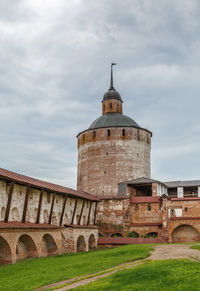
(112, 150)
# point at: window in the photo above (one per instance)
(108, 132)
(186, 209)
(94, 133)
(138, 134)
(123, 132)
(117, 106)
(110, 105)
(149, 207)
(83, 137)
(136, 207)
(148, 139)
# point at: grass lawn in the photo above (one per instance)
(196, 247)
(169, 275)
(33, 273)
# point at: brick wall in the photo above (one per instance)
(104, 161)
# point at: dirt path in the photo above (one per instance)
(161, 252)
(174, 251)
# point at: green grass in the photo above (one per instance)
(196, 247)
(34, 273)
(173, 275)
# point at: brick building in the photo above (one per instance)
(114, 165)
(39, 219)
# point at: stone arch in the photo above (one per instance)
(28, 215)
(151, 235)
(66, 219)
(84, 220)
(92, 242)
(48, 247)
(5, 252)
(116, 235)
(26, 248)
(81, 245)
(133, 234)
(3, 212)
(185, 233)
(15, 214)
(35, 213)
(54, 218)
(46, 216)
(77, 218)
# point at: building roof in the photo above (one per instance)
(25, 180)
(113, 119)
(142, 180)
(145, 199)
(112, 94)
(29, 225)
(175, 184)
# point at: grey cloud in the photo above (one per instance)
(54, 70)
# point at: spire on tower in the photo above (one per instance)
(111, 77)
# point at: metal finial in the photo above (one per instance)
(111, 77)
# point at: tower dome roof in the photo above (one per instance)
(113, 120)
(112, 94)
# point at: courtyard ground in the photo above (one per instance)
(169, 267)
(34, 273)
(146, 274)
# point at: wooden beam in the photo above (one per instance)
(28, 188)
(88, 221)
(63, 210)
(39, 206)
(95, 213)
(72, 221)
(51, 211)
(9, 201)
(79, 221)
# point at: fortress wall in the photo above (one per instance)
(104, 161)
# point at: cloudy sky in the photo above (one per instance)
(55, 59)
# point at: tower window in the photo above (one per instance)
(117, 106)
(123, 132)
(110, 105)
(148, 139)
(94, 133)
(83, 137)
(108, 132)
(138, 134)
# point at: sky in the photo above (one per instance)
(55, 60)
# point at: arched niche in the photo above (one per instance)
(92, 242)
(81, 245)
(5, 252)
(185, 233)
(49, 247)
(26, 248)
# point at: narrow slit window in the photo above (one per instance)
(108, 132)
(149, 207)
(110, 105)
(138, 134)
(123, 132)
(94, 133)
